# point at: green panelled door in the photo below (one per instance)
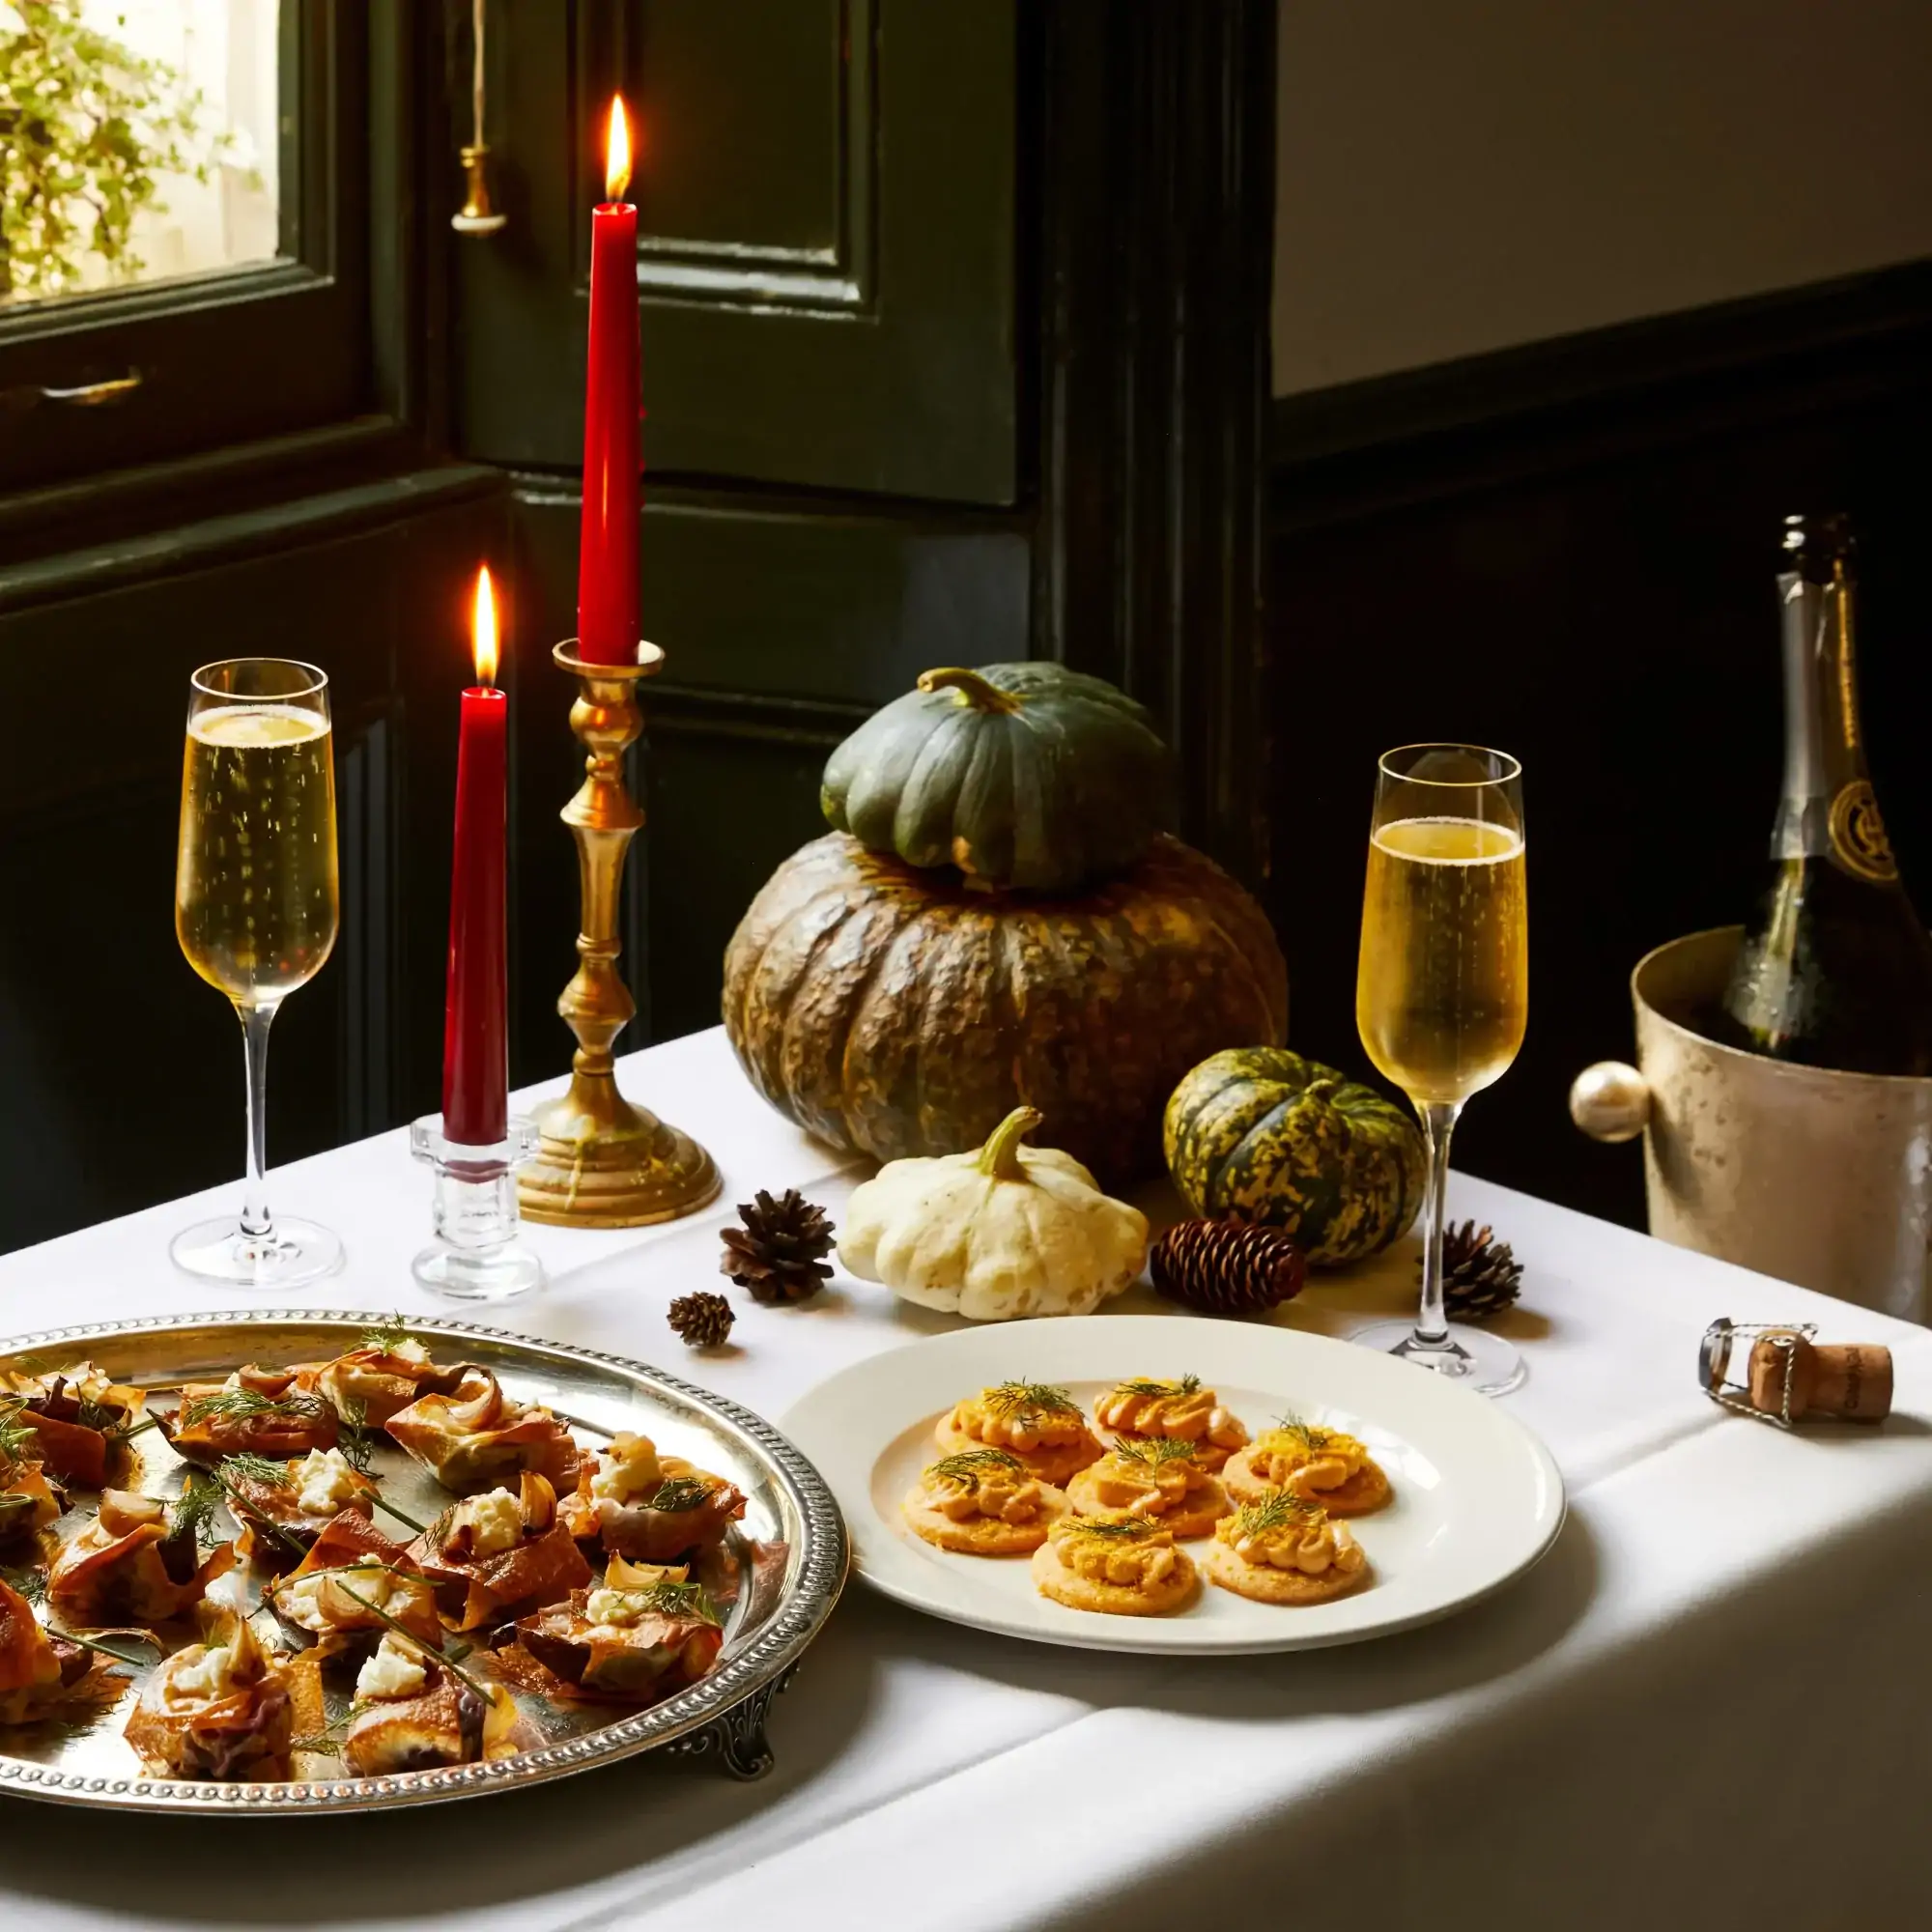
(827, 261)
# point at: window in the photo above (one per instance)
(142, 142)
(184, 239)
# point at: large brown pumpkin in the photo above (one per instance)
(896, 1011)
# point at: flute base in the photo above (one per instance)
(1474, 1357)
(604, 1163)
(291, 1253)
(477, 1254)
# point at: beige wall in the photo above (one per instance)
(1464, 175)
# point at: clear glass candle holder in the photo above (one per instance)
(477, 1254)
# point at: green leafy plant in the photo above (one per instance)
(87, 129)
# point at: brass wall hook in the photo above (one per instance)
(477, 216)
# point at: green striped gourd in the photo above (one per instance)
(1259, 1131)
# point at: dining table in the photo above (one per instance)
(1707, 1705)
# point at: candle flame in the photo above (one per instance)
(617, 154)
(483, 628)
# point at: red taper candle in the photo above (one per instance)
(475, 1026)
(607, 561)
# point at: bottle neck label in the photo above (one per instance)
(1827, 811)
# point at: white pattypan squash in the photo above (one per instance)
(1002, 1231)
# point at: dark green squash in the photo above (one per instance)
(1026, 777)
(1259, 1131)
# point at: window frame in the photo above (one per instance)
(229, 358)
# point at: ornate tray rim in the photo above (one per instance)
(713, 1713)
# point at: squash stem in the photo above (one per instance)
(999, 1157)
(972, 688)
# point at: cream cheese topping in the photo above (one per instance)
(212, 1674)
(627, 1468)
(395, 1670)
(620, 1608)
(325, 1483)
(494, 1521)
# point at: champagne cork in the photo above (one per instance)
(1837, 1382)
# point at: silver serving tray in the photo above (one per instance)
(787, 1558)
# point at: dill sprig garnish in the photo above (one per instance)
(90, 1414)
(1025, 1401)
(1129, 1529)
(126, 1429)
(24, 1580)
(355, 1441)
(1153, 1450)
(193, 1510)
(1309, 1435)
(224, 1486)
(964, 1469)
(245, 1466)
(387, 1336)
(1144, 1385)
(669, 1600)
(16, 1435)
(1279, 1509)
(239, 1405)
(677, 1494)
(352, 1439)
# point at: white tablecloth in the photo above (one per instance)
(1709, 1705)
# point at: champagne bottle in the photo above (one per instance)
(1836, 970)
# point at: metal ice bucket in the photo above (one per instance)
(1822, 1178)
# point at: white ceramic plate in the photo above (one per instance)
(1477, 1497)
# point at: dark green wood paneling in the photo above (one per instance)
(784, 629)
(725, 807)
(123, 1070)
(776, 190)
(830, 281)
(793, 600)
(1569, 551)
(1155, 127)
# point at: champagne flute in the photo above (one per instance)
(1443, 989)
(255, 912)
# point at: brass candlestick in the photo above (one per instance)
(602, 1162)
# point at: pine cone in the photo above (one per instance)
(701, 1319)
(1227, 1267)
(1480, 1276)
(777, 1252)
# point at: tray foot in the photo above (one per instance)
(736, 1738)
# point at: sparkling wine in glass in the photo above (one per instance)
(1443, 989)
(255, 912)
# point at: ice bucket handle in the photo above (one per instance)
(1611, 1101)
